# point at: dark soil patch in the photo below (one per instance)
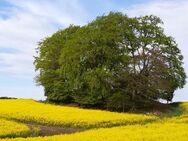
(53, 130)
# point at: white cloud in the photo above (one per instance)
(27, 23)
(23, 24)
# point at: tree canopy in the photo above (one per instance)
(115, 61)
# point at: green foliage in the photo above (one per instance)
(114, 61)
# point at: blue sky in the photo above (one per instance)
(25, 22)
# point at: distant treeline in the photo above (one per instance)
(4, 97)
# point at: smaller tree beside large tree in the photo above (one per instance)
(115, 62)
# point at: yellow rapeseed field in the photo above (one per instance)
(149, 132)
(182, 118)
(32, 111)
(12, 129)
(161, 129)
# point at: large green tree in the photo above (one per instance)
(113, 62)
